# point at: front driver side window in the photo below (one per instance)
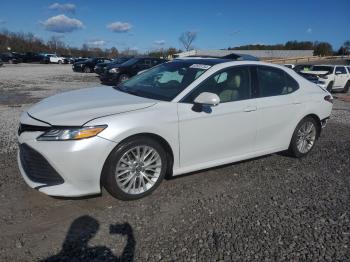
(232, 84)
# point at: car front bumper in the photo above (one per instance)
(63, 168)
(109, 78)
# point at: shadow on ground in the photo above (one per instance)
(75, 246)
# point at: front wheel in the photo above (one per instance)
(330, 87)
(87, 70)
(135, 168)
(304, 137)
(123, 78)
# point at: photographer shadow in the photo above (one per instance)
(75, 246)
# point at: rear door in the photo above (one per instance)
(278, 105)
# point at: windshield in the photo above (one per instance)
(329, 69)
(163, 82)
(130, 62)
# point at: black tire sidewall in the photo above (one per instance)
(346, 88)
(108, 179)
(121, 76)
(293, 148)
(330, 87)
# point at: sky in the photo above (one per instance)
(148, 25)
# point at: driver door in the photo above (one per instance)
(221, 132)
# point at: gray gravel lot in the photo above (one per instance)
(272, 208)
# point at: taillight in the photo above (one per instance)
(329, 99)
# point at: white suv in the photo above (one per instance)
(330, 77)
(55, 59)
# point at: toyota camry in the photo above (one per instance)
(181, 116)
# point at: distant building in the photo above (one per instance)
(257, 53)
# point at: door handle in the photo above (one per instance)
(250, 109)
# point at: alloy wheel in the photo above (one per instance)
(138, 169)
(306, 137)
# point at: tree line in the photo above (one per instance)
(28, 42)
(320, 48)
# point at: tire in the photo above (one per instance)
(134, 179)
(308, 131)
(122, 78)
(330, 87)
(87, 70)
(10, 61)
(346, 87)
(59, 62)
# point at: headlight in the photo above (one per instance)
(113, 70)
(74, 133)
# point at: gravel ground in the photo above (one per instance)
(269, 208)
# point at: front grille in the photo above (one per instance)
(29, 128)
(37, 168)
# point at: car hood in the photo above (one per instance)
(314, 72)
(75, 108)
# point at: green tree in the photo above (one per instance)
(323, 49)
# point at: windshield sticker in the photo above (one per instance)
(200, 66)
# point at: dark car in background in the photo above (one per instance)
(11, 57)
(68, 60)
(88, 65)
(1, 63)
(114, 74)
(31, 57)
(100, 67)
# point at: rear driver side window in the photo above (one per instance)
(275, 82)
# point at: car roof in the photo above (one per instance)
(207, 61)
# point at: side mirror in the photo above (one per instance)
(207, 98)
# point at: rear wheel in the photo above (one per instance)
(330, 87)
(346, 87)
(135, 168)
(87, 70)
(60, 62)
(304, 137)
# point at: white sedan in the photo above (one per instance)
(178, 117)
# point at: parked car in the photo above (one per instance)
(330, 77)
(177, 117)
(68, 60)
(31, 57)
(115, 74)
(88, 65)
(11, 58)
(44, 59)
(291, 66)
(55, 59)
(100, 67)
(79, 59)
(302, 67)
